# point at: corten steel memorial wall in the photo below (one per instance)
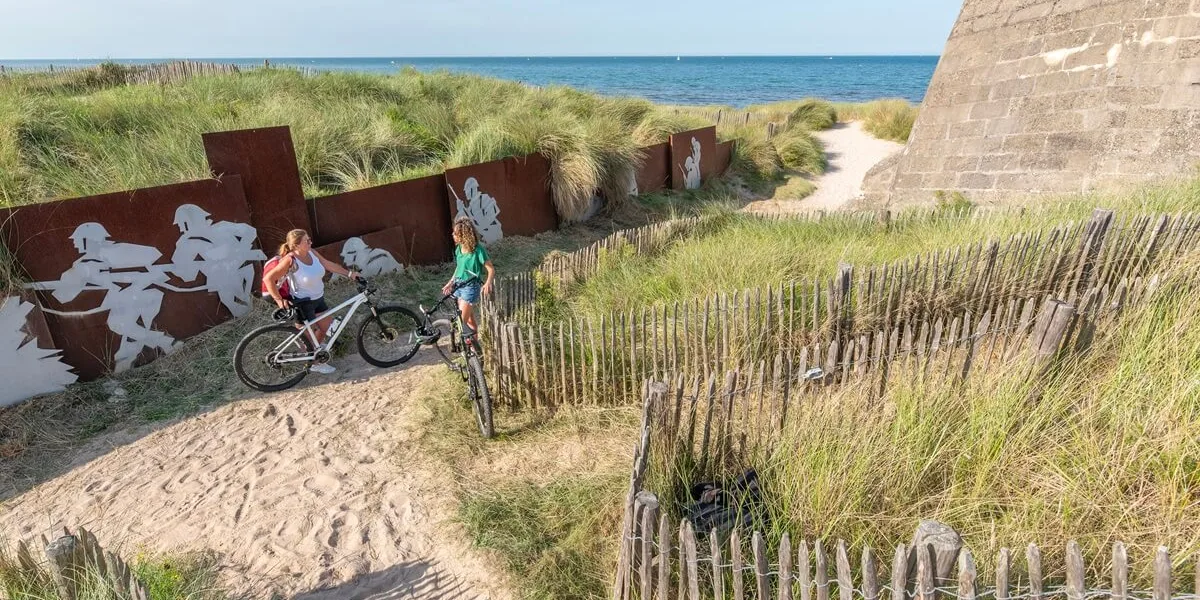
(116, 280)
(1054, 96)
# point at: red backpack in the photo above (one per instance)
(285, 288)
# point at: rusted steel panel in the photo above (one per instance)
(724, 156)
(418, 208)
(266, 161)
(655, 173)
(686, 148)
(510, 196)
(374, 254)
(124, 277)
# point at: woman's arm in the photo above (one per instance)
(333, 267)
(274, 275)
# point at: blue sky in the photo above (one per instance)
(31, 29)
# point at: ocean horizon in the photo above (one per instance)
(734, 80)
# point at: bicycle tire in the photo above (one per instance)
(405, 326)
(241, 367)
(480, 396)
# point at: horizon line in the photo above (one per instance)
(439, 57)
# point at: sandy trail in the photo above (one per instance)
(851, 153)
(314, 493)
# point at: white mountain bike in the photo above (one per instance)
(276, 357)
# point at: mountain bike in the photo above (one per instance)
(461, 352)
(278, 356)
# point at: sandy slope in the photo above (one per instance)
(851, 153)
(313, 493)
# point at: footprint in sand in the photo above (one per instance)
(322, 485)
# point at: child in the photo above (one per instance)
(470, 258)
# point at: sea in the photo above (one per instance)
(691, 80)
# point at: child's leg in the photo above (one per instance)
(468, 313)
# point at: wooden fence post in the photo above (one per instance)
(655, 393)
(65, 559)
(1051, 329)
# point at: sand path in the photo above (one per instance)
(315, 493)
(851, 153)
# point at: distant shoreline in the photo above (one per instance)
(736, 81)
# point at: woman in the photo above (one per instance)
(305, 270)
(470, 258)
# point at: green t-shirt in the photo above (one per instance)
(470, 265)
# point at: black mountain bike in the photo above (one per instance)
(460, 351)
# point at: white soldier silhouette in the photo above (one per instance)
(221, 252)
(26, 369)
(357, 255)
(482, 209)
(127, 274)
(691, 167)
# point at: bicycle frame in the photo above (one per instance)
(351, 306)
(456, 322)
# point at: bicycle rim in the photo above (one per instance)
(256, 359)
(389, 337)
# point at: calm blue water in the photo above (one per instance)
(736, 81)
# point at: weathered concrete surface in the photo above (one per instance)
(1054, 96)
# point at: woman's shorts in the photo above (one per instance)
(309, 309)
(468, 293)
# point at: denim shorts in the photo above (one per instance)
(468, 293)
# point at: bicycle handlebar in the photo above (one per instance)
(444, 298)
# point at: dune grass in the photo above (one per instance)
(739, 251)
(83, 134)
(1104, 450)
(890, 119)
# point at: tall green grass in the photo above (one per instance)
(63, 136)
(739, 251)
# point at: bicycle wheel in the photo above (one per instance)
(256, 358)
(389, 337)
(480, 396)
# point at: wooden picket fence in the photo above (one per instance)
(664, 557)
(75, 563)
(161, 73)
(851, 319)
(177, 71)
(719, 424)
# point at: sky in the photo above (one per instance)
(97, 29)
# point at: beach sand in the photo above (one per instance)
(314, 493)
(851, 153)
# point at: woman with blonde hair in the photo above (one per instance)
(470, 260)
(305, 271)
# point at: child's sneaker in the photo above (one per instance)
(324, 369)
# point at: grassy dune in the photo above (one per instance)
(86, 133)
(739, 251)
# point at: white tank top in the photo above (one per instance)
(307, 280)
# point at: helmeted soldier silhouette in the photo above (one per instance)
(128, 276)
(220, 251)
